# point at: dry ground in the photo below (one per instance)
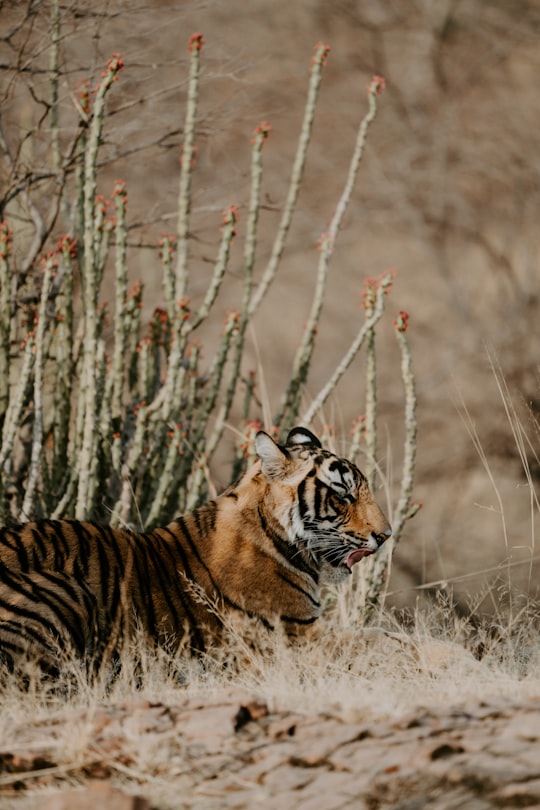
(395, 720)
(234, 751)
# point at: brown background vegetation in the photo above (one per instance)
(448, 195)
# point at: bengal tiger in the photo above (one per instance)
(300, 518)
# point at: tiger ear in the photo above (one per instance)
(274, 459)
(301, 435)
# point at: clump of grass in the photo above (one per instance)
(429, 657)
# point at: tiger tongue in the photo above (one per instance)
(356, 555)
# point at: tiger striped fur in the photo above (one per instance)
(299, 518)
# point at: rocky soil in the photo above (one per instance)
(236, 751)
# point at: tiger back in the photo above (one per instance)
(300, 518)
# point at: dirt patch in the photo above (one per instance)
(235, 751)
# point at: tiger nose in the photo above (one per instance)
(382, 536)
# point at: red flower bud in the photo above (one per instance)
(114, 65)
(195, 42)
(261, 132)
(120, 190)
(377, 85)
(321, 54)
(402, 321)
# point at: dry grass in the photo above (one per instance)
(122, 731)
(428, 657)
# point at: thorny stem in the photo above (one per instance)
(170, 393)
(90, 293)
(230, 218)
(5, 318)
(16, 404)
(172, 467)
(54, 68)
(167, 247)
(121, 512)
(221, 417)
(405, 510)
(302, 360)
(64, 362)
(120, 325)
(318, 63)
(371, 405)
(186, 167)
(166, 478)
(366, 328)
(214, 384)
(260, 136)
(240, 323)
(39, 362)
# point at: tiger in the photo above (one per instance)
(298, 520)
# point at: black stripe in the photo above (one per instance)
(318, 499)
(302, 499)
(68, 598)
(187, 535)
(29, 615)
(184, 597)
(167, 579)
(164, 577)
(140, 562)
(8, 648)
(62, 605)
(111, 538)
(59, 526)
(18, 548)
(37, 541)
(104, 570)
(84, 547)
(292, 620)
(289, 551)
(181, 551)
(294, 585)
(21, 631)
(209, 512)
(62, 547)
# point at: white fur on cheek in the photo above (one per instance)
(297, 525)
(291, 521)
(372, 543)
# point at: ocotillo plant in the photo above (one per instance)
(123, 428)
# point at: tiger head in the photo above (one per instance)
(322, 502)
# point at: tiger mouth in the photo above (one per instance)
(356, 556)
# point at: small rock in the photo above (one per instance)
(446, 750)
(249, 712)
